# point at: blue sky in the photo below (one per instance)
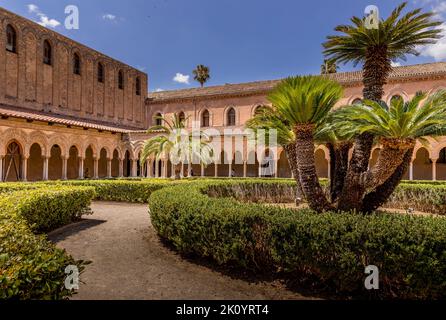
(240, 40)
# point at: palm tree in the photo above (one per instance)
(304, 103)
(329, 66)
(201, 74)
(397, 127)
(396, 37)
(174, 141)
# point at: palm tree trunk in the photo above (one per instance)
(381, 195)
(309, 180)
(338, 168)
(292, 160)
(377, 68)
(390, 158)
(178, 168)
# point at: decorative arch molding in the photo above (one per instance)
(396, 92)
(325, 150)
(13, 134)
(41, 139)
(257, 105)
(418, 148)
(93, 144)
(61, 142)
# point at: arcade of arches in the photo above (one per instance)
(34, 155)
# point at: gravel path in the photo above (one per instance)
(130, 262)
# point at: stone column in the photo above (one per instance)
(245, 169)
(121, 168)
(230, 170)
(434, 169)
(109, 168)
(411, 171)
(134, 168)
(202, 170)
(81, 168)
(1, 168)
(95, 168)
(165, 168)
(149, 168)
(64, 168)
(45, 168)
(157, 169)
(216, 170)
(25, 169)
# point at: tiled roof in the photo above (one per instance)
(257, 87)
(9, 111)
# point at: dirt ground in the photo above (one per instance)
(130, 262)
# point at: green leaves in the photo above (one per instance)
(399, 34)
(305, 100)
(332, 248)
(31, 267)
(414, 119)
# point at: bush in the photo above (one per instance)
(31, 267)
(137, 191)
(335, 248)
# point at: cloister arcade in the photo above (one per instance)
(36, 156)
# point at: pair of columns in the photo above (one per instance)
(434, 170)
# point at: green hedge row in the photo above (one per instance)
(334, 248)
(31, 267)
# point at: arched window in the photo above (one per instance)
(100, 73)
(231, 117)
(76, 64)
(47, 53)
(158, 121)
(205, 118)
(120, 80)
(182, 116)
(138, 86)
(11, 39)
(357, 101)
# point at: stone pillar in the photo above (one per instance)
(109, 168)
(1, 168)
(434, 169)
(134, 168)
(216, 170)
(165, 168)
(245, 169)
(276, 168)
(25, 169)
(45, 168)
(189, 169)
(149, 169)
(411, 171)
(64, 168)
(81, 168)
(121, 168)
(202, 170)
(95, 168)
(230, 170)
(157, 169)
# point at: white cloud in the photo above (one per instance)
(396, 64)
(43, 18)
(437, 50)
(181, 78)
(109, 16)
(159, 90)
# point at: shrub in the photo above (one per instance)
(31, 267)
(335, 248)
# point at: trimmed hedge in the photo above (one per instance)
(334, 248)
(31, 267)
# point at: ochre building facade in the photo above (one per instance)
(70, 112)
